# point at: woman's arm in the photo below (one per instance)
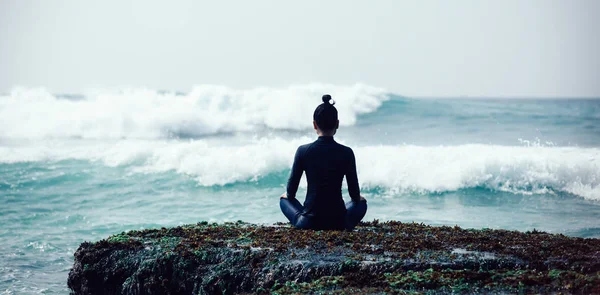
(352, 179)
(295, 175)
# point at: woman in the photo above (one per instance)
(326, 162)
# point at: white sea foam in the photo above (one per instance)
(398, 169)
(206, 109)
(525, 170)
(209, 162)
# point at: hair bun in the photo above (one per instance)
(327, 98)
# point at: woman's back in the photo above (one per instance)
(326, 162)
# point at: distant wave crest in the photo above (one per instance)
(150, 114)
(398, 169)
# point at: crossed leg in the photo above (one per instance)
(355, 211)
(292, 209)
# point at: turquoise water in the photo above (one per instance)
(80, 168)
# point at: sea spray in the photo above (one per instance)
(150, 114)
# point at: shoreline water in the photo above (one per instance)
(68, 175)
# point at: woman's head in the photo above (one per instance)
(326, 116)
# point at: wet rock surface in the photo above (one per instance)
(376, 258)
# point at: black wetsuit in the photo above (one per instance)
(326, 162)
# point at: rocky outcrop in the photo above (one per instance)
(376, 258)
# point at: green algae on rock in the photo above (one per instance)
(377, 258)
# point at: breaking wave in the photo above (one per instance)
(396, 168)
(150, 114)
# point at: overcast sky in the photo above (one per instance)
(424, 48)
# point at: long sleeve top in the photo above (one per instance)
(325, 162)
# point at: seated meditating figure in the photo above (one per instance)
(325, 162)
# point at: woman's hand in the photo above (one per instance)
(283, 196)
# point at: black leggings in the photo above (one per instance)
(292, 209)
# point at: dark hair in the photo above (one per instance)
(326, 114)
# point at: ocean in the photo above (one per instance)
(81, 167)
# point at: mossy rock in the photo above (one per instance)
(376, 258)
